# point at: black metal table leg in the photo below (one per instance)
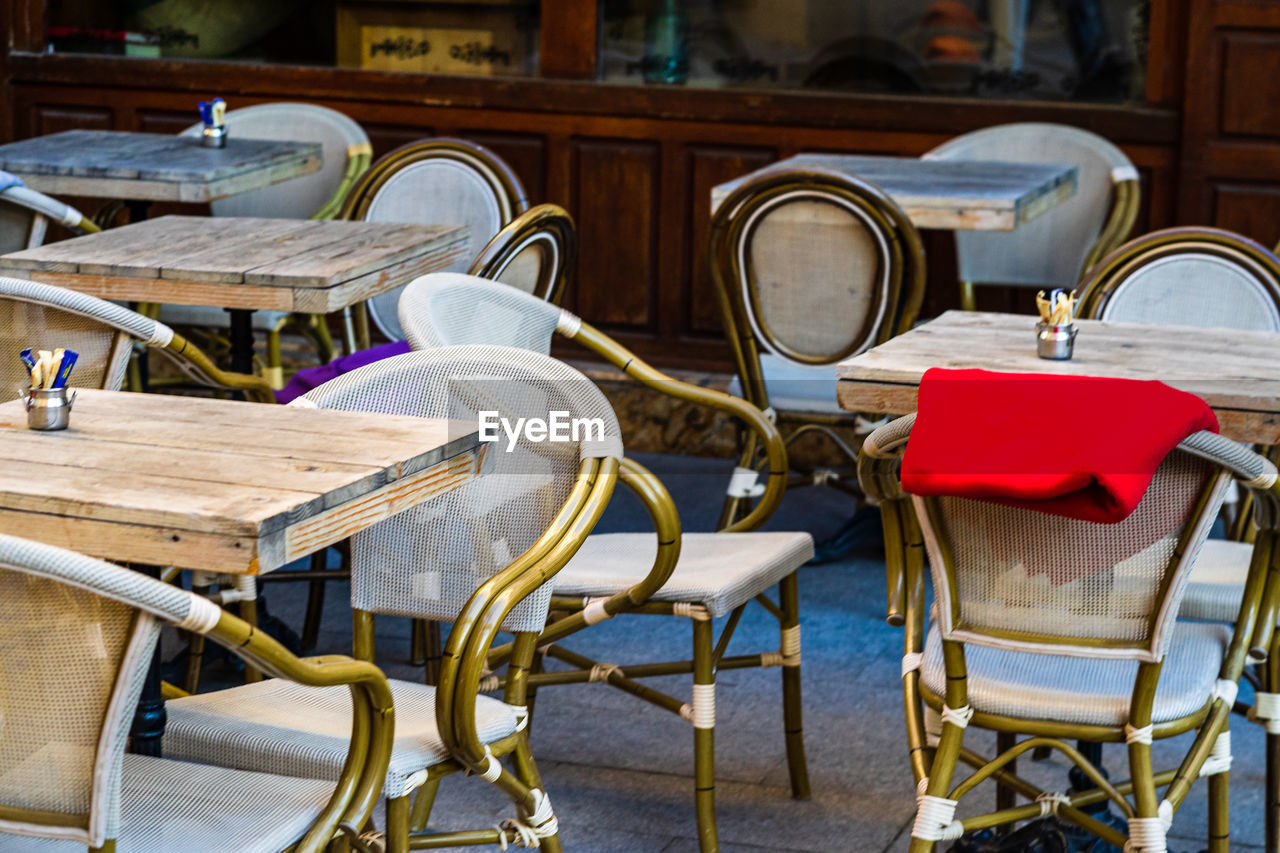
(147, 732)
(241, 340)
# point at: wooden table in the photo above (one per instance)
(218, 485)
(1237, 373)
(955, 195)
(244, 264)
(153, 166)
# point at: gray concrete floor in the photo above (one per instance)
(620, 772)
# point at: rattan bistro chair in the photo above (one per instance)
(437, 181)
(478, 556)
(76, 639)
(535, 252)
(43, 316)
(1060, 629)
(1057, 247)
(811, 267)
(25, 215)
(319, 195)
(695, 576)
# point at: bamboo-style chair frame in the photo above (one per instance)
(896, 302)
(359, 153)
(571, 614)
(1126, 195)
(546, 229)
(933, 766)
(508, 192)
(356, 790)
(42, 209)
(464, 662)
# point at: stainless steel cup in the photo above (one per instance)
(214, 136)
(1054, 341)
(48, 408)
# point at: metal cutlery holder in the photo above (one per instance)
(1055, 341)
(48, 408)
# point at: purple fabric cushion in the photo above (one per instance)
(313, 377)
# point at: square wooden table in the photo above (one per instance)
(244, 264)
(218, 485)
(1237, 373)
(154, 166)
(955, 195)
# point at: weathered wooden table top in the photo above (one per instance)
(232, 262)
(154, 166)
(1237, 373)
(216, 484)
(956, 195)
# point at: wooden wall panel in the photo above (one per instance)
(616, 207)
(163, 121)
(526, 153)
(54, 118)
(1251, 209)
(1250, 84)
(387, 137)
(707, 166)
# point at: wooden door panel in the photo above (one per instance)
(55, 118)
(1250, 209)
(525, 153)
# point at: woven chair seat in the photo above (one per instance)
(1084, 690)
(717, 570)
(213, 317)
(796, 387)
(277, 726)
(168, 805)
(1215, 586)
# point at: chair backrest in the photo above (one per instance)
(1028, 581)
(426, 562)
(813, 266)
(72, 663)
(25, 215)
(535, 252)
(41, 316)
(1054, 248)
(447, 309)
(343, 142)
(1187, 277)
(436, 182)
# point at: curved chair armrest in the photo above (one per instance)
(775, 450)
(374, 717)
(879, 459)
(1124, 212)
(192, 361)
(359, 157)
(465, 654)
(51, 208)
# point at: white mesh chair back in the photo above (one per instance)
(299, 198)
(427, 561)
(1051, 249)
(25, 215)
(450, 309)
(818, 274)
(1208, 286)
(41, 316)
(449, 187)
(1029, 581)
(72, 663)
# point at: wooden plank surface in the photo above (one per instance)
(242, 262)
(949, 194)
(154, 166)
(1237, 373)
(218, 485)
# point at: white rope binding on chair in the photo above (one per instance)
(492, 767)
(911, 662)
(568, 324)
(1266, 711)
(1219, 760)
(789, 652)
(935, 819)
(202, 616)
(1050, 803)
(702, 712)
(958, 717)
(1138, 734)
(1226, 691)
(1148, 834)
(594, 613)
(601, 672)
(688, 610)
(522, 716)
(489, 683)
(533, 828)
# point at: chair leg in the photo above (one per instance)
(704, 734)
(1272, 838)
(433, 651)
(398, 825)
(249, 613)
(1219, 811)
(1006, 798)
(275, 363)
(423, 802)
(968, 299)
(792, 709)
(418, 643)
(315, 602)
(195, 648)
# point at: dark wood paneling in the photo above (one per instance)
(615, 205)
(1250, 84)
(526, 153)
(707, 166)
(387, 137)
(1249, 209)
(55, 118)
(163, 121)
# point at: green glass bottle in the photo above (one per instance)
(666, 45)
